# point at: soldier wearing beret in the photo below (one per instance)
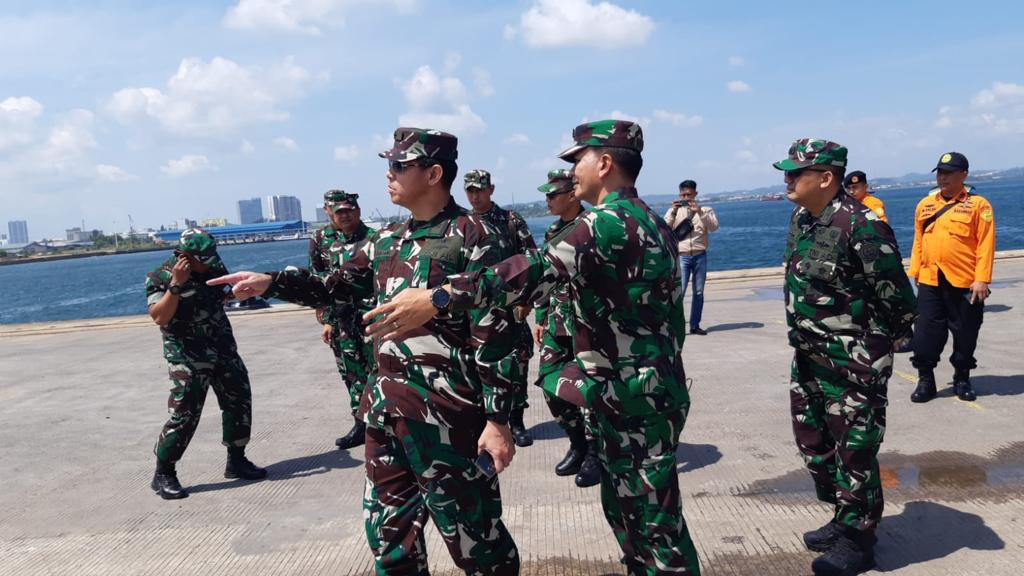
(554, 334)
(437, 408)
(621, 264)
(856, 185)
(342, 322)
(515, 238)
(954, 248)
(848, 306)
(201, 353)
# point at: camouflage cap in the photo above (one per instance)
(812, 151)
(415, 143)
(199, 244)
(559, 180)
(605, 133)
(477, 179)
(335, 200)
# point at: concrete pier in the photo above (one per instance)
(81, 404)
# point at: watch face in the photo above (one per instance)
(440, 298)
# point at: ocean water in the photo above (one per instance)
(752, 235)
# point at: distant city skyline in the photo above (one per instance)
(17, 232)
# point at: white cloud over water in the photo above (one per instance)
(308, 17)
(561, 23)
(186, 165)
(440, 102)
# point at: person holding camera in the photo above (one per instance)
(692, 223)
(200, 350)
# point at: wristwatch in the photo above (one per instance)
(175, 289)
(441, 299)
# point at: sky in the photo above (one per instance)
(166, 110)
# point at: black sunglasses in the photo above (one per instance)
(794, 174)
(399, 167)
(551, 195)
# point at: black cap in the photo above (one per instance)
(855, 177)
(687, 184)
(952, 162)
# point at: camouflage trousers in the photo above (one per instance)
(555, 352)
(189, 383)
(416, 468)
(353, 354)
(640, 492)
(523, 353)
(839, 425)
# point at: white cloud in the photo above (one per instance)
(17, 121)
(517, 138)
(286, 143)
(346, 153)
(997, 110)
(746, 156)
(482, 83)
(214, 98)
(677, 119)
(246, 147)
(736, 61)
(738, 86)
(110, 173)
(299, 16)
(64, 152)
(439, 102)
(187, 164)
(560, 23)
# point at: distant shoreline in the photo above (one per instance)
(74, 255)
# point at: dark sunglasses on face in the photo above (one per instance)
(399, 167)
(552, 195)
(794, 174)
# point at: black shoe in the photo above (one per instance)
(847, 557)
(925, 390)
(355, 437)
(521, 437)
(590, 472)
(165, 483)
(239, 466)
(962, 386)
(572, 461)
(698, 331)
(823, 538)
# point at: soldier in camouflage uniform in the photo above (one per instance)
(554, 334)
(621, 264)
(515, 239)
(201, 353)
(342, 322)
(442, 394)
(849, 304)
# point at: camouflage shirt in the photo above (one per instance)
(555, 312)
(847, 295)
(200, 330)
(621, 265)
(457, 365)
(512, 230)
(328, 250)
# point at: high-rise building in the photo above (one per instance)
(17, 231)
(250, 211)
(282, 208)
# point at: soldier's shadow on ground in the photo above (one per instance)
(547, 430)
(994, 308)
(734, 326)
(927, 531)
(292, 468)
(986, 385)
(696, 456)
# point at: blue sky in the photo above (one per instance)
(173, 110)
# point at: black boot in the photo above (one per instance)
(823, 538)
(851, 554)
(925, 390)
(590, 472)
(519, 433)
(165, 482)
(962, 385)
(355, 437)
(239, 466)
(574, 457)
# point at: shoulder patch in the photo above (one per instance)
(986, 215)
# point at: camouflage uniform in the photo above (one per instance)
(200, 350)
(515, 238)
(848, 300)
(434, 388)
(353, 352)
(555, 315)
(621, 266)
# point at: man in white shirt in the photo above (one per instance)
(692, 223)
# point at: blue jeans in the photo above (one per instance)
(695, 267)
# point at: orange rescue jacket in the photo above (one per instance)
(961, 243)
